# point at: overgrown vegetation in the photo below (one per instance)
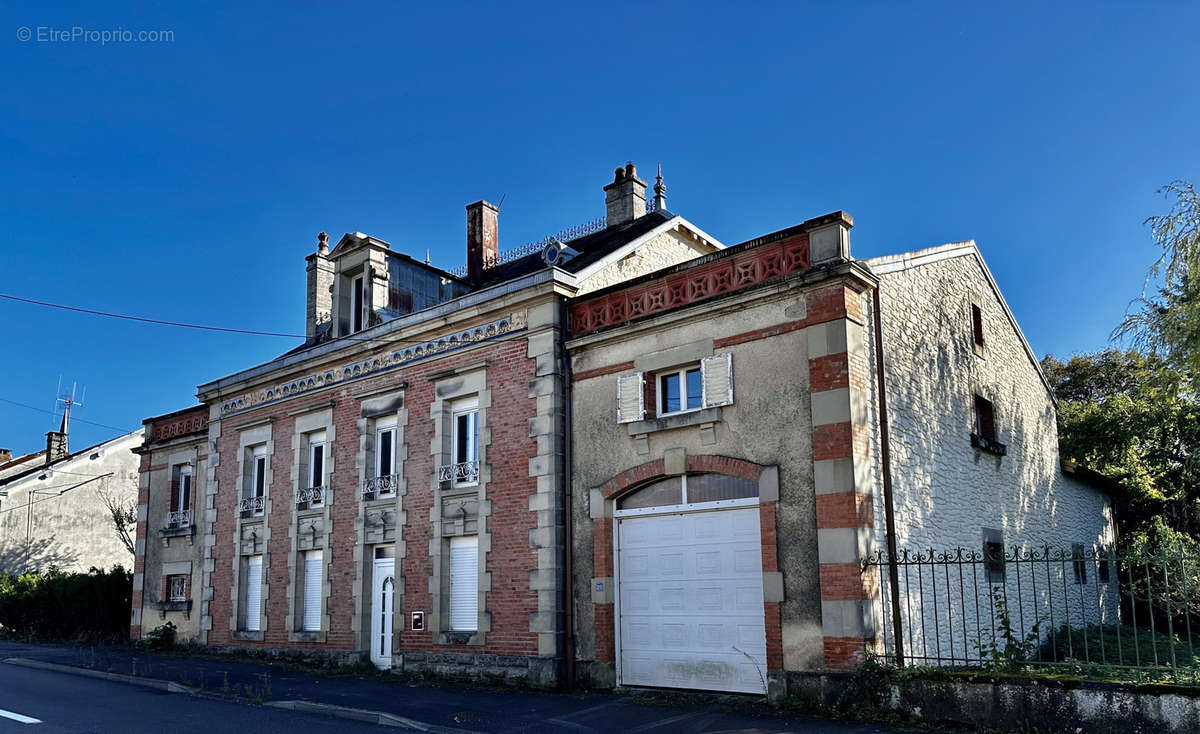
(1008, 649)
(161, 637)
(52, 605)
(1111, 648)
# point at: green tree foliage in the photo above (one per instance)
(52, 605)
(1168, 324)
(1136, 419)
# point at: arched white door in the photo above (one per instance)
(384, 585)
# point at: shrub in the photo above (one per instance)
(161, 637)
(52, 605)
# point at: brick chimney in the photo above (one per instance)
(625, 197)
(318, 312)
(482, 238)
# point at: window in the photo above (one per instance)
(465, 443)
(260, 475)
(316, 462)
(1079, 562)
(977, 324)
(680, 391)
(252, 616)
(689, 489)
(313, 569)
(464, 583)
(356, 304)
(179, 514)
(254, 488)
(708, 384)
(993, 555)
(985, 418)
(1102, 568)
(385, 450)
(177, 587)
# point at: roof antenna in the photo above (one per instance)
(660, 192)
(68, 401)
(426, 255)
(501, 202)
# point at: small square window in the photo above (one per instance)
(177, 587)
(1102, 569)
(680, 391)
(993, 561)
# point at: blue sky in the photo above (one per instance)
(187, 180)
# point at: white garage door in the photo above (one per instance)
(691, 601)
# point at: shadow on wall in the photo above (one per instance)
(38, 555)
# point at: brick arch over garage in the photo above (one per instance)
(629, 480)
(694, 464)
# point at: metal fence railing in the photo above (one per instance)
(1012, 607)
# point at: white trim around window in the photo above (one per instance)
(464, 442)
(682, 388)
(385, 449)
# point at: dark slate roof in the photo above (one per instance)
(592, 249)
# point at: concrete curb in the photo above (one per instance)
(162, 685)
(374, 717)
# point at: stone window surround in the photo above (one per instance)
(305, 422)
(465, 383)
(250, 435)
(665, 360)
(382, 403)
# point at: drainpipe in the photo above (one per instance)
(885, 455)
(568, 506)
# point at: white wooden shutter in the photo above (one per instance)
(312, 591)
(716, 379)
(464, 582)
(631, 398)
(253, 593)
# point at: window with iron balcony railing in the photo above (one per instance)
(462, 473)
(384, 486)
(179, 519)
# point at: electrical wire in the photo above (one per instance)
(73, 418)
(201, 327)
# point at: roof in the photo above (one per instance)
(69, 457)
(1093, 478)
(592, 249)
(906, 260)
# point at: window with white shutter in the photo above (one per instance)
(253, 593)
(312, 591)
(717, 379)
(631, 398)
(464, 583)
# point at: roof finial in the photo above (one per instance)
(323, 243)
(426, 255)
(660, 192)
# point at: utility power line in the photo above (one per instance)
(73, 418)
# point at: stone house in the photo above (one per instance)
(626, 456)
(748, 425)
(55, 504)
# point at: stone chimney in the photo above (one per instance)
(56, 443)
(625, 197)
(318, 313)
(5, 455)
(483, 227)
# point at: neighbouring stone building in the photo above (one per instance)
(55, 505)
(627, 456)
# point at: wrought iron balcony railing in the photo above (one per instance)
(383, 486)
(310, 496)
(253, 505)
(464, 472)
(179, 519)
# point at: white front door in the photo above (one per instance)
(690, 609)
(384, 583)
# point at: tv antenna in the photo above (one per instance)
(68, 401)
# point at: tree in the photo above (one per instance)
(1168, 324)
(122, 515)
(1134, 418)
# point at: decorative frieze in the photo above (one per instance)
(379, 362)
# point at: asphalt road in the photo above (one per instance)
(70, 703)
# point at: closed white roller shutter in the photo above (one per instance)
(253, 593)
(631, 398)
(717, 379)
(312, 591)
(464, 583)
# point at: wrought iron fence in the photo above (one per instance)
(1012, 607)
